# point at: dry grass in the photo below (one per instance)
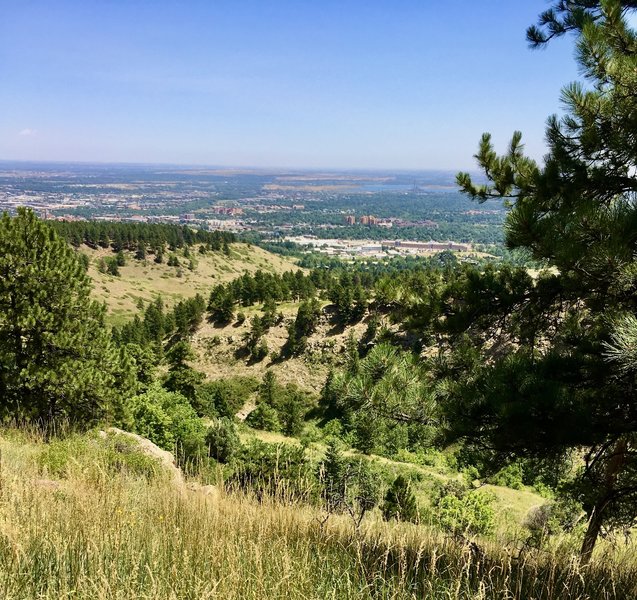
(103, 535)
(147, 281)
(325, 349)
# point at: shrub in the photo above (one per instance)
(552, 518)
(168, 420)
(150, 420)
(511, 476)
(224, 397)
(264, 417)
(333, 428)
(400, 502)
(471, 513)
(222, 440)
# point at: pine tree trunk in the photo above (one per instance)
(613, 468)
(592, 533)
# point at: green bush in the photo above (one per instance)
(471, 513)
(224, 397)
(150, 420)
(264, 417)
(222, 440)
(333, 428)
(552, 518)
(511, 476)
(168, 420)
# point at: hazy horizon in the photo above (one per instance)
(277, 86)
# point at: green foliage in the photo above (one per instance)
(264, 417)
(469, 514)
(400, 502)
(130, 236)
(255, 345)
(291, 412)
(377, 394)
(305, 323)
(156, 325)
(279, 470)
(149, 418)
(510, 476)
(280, 408)
(140, 253)
(56, 357)
(553, 518)
(168, 420)
(112, 266)
(575, 212)
(221, 305)
(182, 378)
(333, 477)
(347, 485)
(224, 397)
(222, 440)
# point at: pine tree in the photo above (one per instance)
(140, 254)
(182, 378)
(400, 502)
(333, 476)
(56, 356)
(559, 389)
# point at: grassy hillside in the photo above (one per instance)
(219, 350)
(77, 522)
(512, 507)
(145, 280)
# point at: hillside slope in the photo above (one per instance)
(220, 350)
(146, 280)
(76, 522)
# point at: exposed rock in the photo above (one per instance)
(206, 490)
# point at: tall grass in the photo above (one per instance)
(98, 533)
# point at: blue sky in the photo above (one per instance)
(329, 84)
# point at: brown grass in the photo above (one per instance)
(147, 281)
(104, 535)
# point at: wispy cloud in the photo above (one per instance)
(28, 132)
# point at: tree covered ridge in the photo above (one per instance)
(129, 236)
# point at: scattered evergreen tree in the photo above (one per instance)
(182, 378)
(400, 502)
(222, 440)
(112, 267)
(140, 254)
(221, 305)
(333, 476)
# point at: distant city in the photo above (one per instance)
(338, 213)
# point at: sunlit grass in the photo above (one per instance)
(97, 533)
